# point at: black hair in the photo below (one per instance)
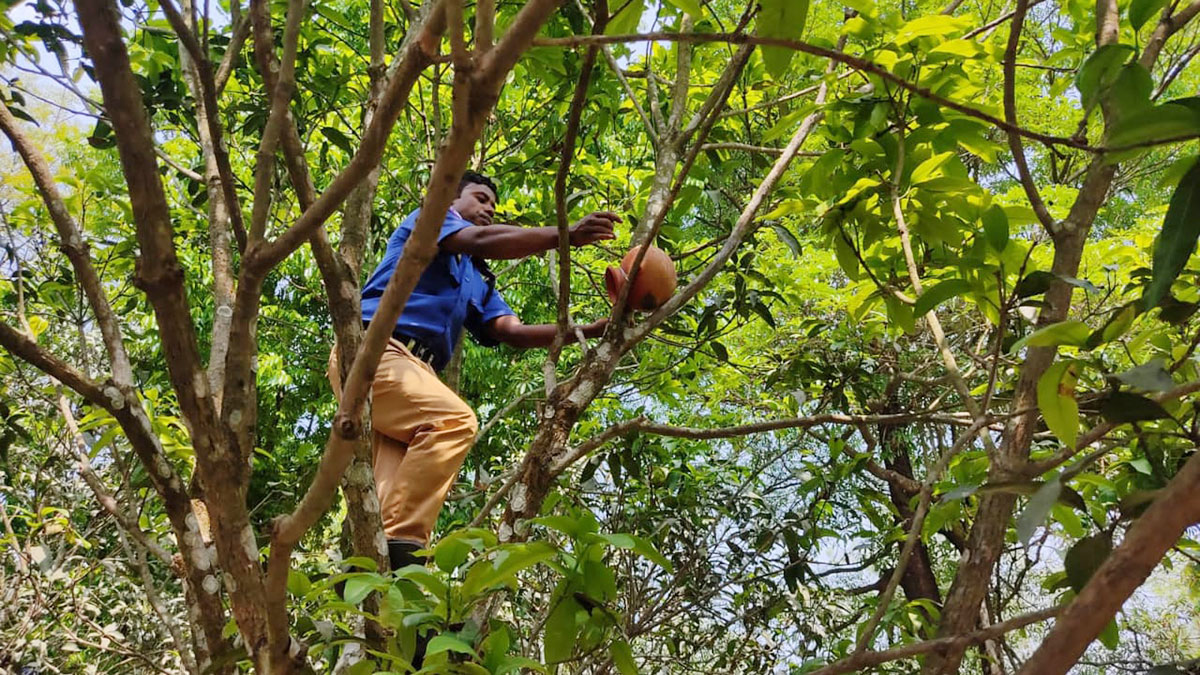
(479, 179)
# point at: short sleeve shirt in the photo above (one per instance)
(454, 292)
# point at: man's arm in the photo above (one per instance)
(506, 242)
(509, 330)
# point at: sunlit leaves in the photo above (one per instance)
(783, 19)
(1056, 400)
(1177, 241)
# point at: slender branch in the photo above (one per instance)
(683, 75)
(868, 660)
(73, 245)
(416, 53)
(1010, 116)
(931, 318)
(591, 445)
(793, 423)
(106, 500)
(739, 231)
(156, 604)
(281, 96)
(1167, 26)
(485, 24)
(867, 634)
(237, 38)
(854, 62)
(574, 117)
(746, 147)
(651, 130)
(208, 100)
(174, 164)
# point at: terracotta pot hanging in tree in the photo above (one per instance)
(655, 281)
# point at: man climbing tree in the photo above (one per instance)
(421, 429)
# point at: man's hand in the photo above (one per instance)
(594, 227)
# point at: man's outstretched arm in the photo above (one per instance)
(506, 242)
(509, 330)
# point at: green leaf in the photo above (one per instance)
(511, 559)
(940, 293)
(450, 553)
(692, 7)
(782, 19)
(1177, 241)
(1085, 557)
(559, 638)
(1152, 125)
(1110, 637)
(423, 578)
(1120, 407)
(1056, 400)
(622, 656)
(865, 8)
(1150, 376)
(1165, 670)
(639, 546)
(1174, 311)
(298, 583)
(938, 25)
(339, 139)
(995, 228)
(967, 49)
(1034, 283)
(1132, 88)
(565, 524)
(448, 643)
(626, 20)
(1073, 333)
(357, 588)
(846, 258)
(1099, 71)
(360, 562)
(930, 168)
(1140, 11)
(1037, 510)
(1115, 327)
(788, 239)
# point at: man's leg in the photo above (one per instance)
(422, 432)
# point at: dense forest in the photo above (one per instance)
(924, 400)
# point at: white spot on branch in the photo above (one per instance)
(211, 585)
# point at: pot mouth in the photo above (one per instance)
(614, 279)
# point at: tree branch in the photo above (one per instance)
(651, 130)
(1125, 569)
(738, 233)
(1010, 116)
(237, 38)
(207, 100)
(867, 660)
(73, 245)
(831, 54)
(416, 53)
(281, 96)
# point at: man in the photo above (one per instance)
(421, 429)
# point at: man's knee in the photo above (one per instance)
(468, 422)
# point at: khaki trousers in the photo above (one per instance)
(420, 434)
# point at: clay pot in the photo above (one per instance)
(655, 281)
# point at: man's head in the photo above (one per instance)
(476, 201)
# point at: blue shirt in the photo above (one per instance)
(456, 290)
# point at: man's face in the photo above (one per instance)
(476, 203)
